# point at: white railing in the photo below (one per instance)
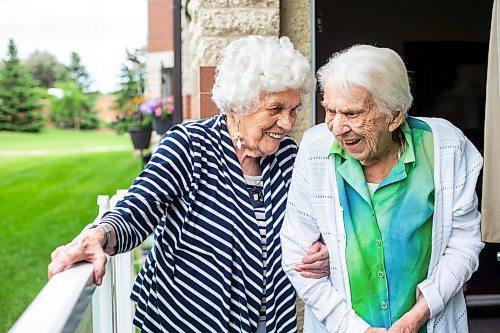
(63, 304)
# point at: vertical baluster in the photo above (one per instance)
(123, 309)
(102, 304)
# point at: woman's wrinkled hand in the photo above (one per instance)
(412, 320)
(404, 325)
(316, 264)
(85, 247)
(375, 330)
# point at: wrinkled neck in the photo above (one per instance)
(250, 165)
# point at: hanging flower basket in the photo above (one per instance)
(141, 137)
(161, 126)
(160, 110)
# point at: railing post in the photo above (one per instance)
(123, 309)
(102, 301)
(103, 203)
(120, 194)
(112, 310)
(123, 275)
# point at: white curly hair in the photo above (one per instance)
(254, 65)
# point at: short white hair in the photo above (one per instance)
(381, 71)
(254, 65)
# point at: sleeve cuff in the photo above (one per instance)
(118, 225)
(431, 296)
(355, 323)
(358, 324)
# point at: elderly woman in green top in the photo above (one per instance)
(394, 199)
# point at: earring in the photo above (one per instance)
(238, 140)
(238, 135)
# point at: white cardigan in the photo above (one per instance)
(314, 210)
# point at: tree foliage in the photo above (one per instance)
(131, 91)
(45, 68)
(131, 79)
(79, 73)
(19, 107)
(74, 108)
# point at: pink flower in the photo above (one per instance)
(158, 111)
(158, 107)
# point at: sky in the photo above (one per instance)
(98, 30)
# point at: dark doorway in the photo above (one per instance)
(449, 81)
(406, 27)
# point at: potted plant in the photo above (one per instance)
(139, 127)
(137, 123)
(160, 110)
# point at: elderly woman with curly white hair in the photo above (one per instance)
(214, 194)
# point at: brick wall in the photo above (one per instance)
(160, 44)
(160, 26)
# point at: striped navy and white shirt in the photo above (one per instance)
(256, 192)
(207, 271)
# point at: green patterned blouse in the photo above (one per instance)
(388, 234)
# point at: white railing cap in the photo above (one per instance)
(65, 292)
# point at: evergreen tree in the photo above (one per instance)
(130, 94)
(79, 73)
(131, 80)
(19, 108)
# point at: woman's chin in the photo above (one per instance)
(358, 156)
(270, 150)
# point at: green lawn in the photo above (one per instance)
(46, 200)
(52, 138)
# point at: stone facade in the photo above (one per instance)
(154, 63)
(295, 22)
(213, 24)
(187, 53)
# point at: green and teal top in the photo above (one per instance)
(389, 230)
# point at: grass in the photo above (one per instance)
(46, 200)
(53, 138)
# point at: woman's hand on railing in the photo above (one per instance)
(85, 247)
(316, 264)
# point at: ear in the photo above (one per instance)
(233, 121)
(235, 116)
(396, 120)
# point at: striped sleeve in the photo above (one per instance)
(167, 175)
(286, 157)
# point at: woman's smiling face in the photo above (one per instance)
(263, 129)
(358, 125)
